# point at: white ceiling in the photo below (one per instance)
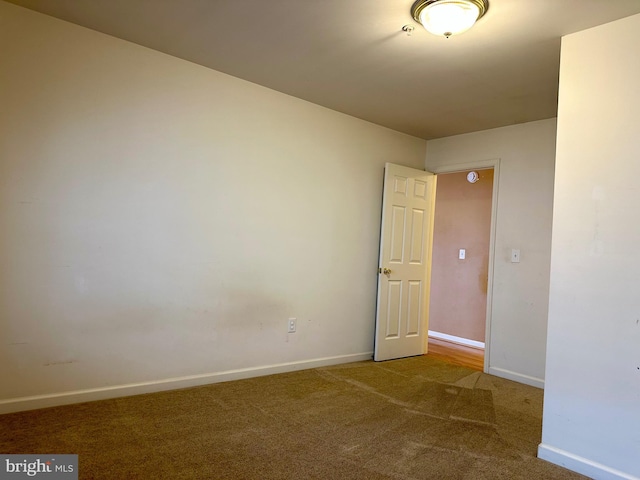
(352, 56)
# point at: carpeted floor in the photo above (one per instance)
(416, 418)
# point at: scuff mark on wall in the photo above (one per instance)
(67, 362)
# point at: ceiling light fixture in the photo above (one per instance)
(448, 17)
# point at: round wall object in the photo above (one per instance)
(473, 177)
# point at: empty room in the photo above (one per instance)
(234, 236)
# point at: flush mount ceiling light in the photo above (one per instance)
(448, 17)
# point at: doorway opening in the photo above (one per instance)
(462, 264)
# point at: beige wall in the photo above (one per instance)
(520, 297)
(592, 398)
(162, 221)
(462, 220)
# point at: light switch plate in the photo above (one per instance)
(291, 325)
(515, 255)
(462, 254)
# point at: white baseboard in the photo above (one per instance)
(89, 395)
(581, 465)
(454, 339)
(517, 377)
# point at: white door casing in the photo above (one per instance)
(405, 262)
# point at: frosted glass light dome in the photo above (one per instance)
(449, 17)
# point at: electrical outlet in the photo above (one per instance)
(291, 325)
(515, 255)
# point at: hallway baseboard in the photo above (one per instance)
(454, 339)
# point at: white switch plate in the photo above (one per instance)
(291, 325)
(515, 256)
(462, 254)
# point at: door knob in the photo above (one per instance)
(386, 271)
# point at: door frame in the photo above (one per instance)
(479, 165)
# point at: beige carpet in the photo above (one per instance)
(416, 418)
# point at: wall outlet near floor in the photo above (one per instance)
(291, 325)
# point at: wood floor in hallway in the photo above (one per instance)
(456, 354)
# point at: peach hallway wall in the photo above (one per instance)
(459, 286)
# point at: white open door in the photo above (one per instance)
(405, 261)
